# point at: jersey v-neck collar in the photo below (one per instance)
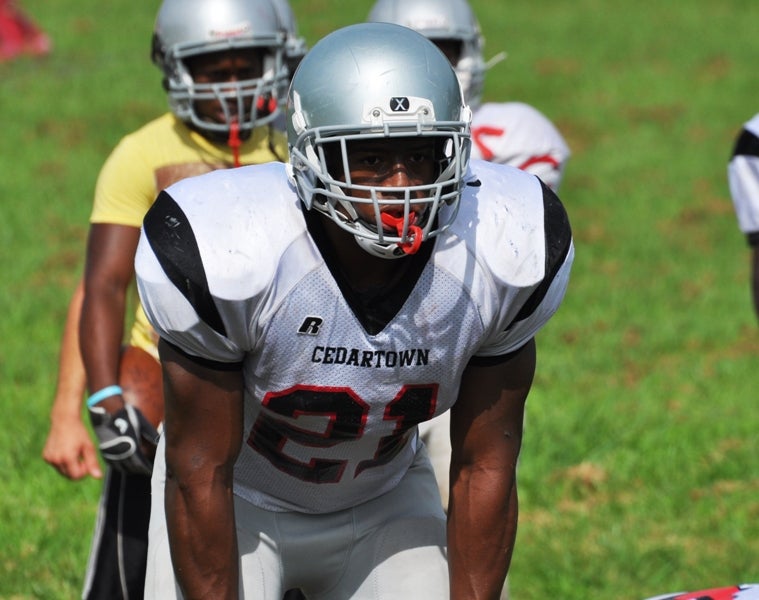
(373, 308)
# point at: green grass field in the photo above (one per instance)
(640, 471)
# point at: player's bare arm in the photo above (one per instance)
(109, 272)
(72, 380)
(203, 427)
(69, 448)
(121, 429)
(486, 435)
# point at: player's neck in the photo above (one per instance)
(363, 270)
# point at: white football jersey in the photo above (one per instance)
(228, 271)
(516, 134)
(743, 177)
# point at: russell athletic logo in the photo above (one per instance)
(399, 104)
(310, 325)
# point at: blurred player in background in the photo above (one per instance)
(224, 64)
(743, 178)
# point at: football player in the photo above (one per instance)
(743, 178)
(223, 62)
(312, 314)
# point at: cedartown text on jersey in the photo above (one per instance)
(339, 355)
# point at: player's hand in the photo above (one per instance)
(69, 449)
(124, 438)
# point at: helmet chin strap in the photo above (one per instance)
(234, 141)
(414, 231)
(264, 107)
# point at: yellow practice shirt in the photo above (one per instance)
(152, 158)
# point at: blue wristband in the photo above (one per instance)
(106, 392)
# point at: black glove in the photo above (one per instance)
(121, 437)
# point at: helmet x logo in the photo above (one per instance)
(399, 104)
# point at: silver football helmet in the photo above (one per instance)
(442, 20)
(375, 81)
(188, 28)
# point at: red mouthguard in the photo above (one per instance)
(414, 231)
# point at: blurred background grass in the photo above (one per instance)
(639, 473)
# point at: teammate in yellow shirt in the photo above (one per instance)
(224, 63)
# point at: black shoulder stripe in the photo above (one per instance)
(747, 144)
(558, 238)
(174, 244)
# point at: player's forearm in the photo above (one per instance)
(203, 540)
(482, 524)
(101, 334)
(72, 380)
(69, 393)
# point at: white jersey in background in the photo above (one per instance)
(516, 134)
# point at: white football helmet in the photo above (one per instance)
(442, 20)
(377, 81)
(187, 28)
